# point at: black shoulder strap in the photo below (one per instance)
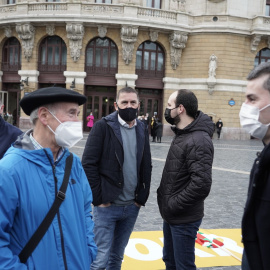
(45, 224)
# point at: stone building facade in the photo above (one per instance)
(157, 46)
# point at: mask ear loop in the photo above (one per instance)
(264, 107)
(56, 119)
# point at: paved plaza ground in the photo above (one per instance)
(224, 206)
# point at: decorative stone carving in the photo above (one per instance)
(181, 5)
(177, 44)
(102, 31)
(212, 66)
(75, 33)
(50, 29)
(129, 36)
(211, 81)
(153, 34)
(26, 33)
(255, 42)
(8, 31)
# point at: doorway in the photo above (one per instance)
(11, 96)
(100, 101)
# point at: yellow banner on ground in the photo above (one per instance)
(144, 250)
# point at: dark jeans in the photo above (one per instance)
(113, 227)
(179, 245)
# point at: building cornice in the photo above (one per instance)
(37, 13)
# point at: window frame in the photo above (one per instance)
(109, 69)
(148, 72)
(52, 67)
(15, 64)
(153, 2)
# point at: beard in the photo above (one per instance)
(177, 120)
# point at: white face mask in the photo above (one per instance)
(249, 119)
(68, 133)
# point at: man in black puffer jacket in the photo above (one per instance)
(186, 179)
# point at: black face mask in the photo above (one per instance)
(128, 114)
(169, 119)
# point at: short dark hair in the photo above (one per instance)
(260, 70)
(127, 90)
(188, 99)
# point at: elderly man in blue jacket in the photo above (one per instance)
(31, 174)
(117, 162)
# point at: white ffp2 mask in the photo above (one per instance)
(68, 133)
(249, 119)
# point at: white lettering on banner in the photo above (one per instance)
(228, 244)
(154, 250)
(202, 254)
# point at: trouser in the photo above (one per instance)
(179, 245)
(113, 227)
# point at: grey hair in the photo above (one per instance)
(34, 113)
(260, 70)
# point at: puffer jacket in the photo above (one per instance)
(29, 180)
(256, 218)
(187, 175)
(103, 160)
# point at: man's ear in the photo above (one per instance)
(115, 106)
(43, 115)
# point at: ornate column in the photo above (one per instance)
(75, 33)
(129, 36)
(178, 42)
(26, 33)
(125, 80)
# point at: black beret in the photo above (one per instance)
(49, 95)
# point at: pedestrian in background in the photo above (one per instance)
(90, 118)
(255, 119)
(186, 179)
(117, 162)
(219, 126)
(9, 118)
(153, 128)
(159, 130)
(31, 177)
(8, 133)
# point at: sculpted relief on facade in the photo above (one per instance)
(26, 33)
(211, 81)
(75, 33)
(177, 44)
(129, 36)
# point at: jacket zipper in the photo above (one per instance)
(59, 222)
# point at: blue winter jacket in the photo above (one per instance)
(27, 191)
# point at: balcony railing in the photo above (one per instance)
(10, 67)
(101, 70)
(51, 68)
(150, 73)
(123, 14)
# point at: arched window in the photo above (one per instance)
(103, 1)
(101, 56)
(150, 60)
(153, 3)
(11, 55)
(262, 56)
(52, 54)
